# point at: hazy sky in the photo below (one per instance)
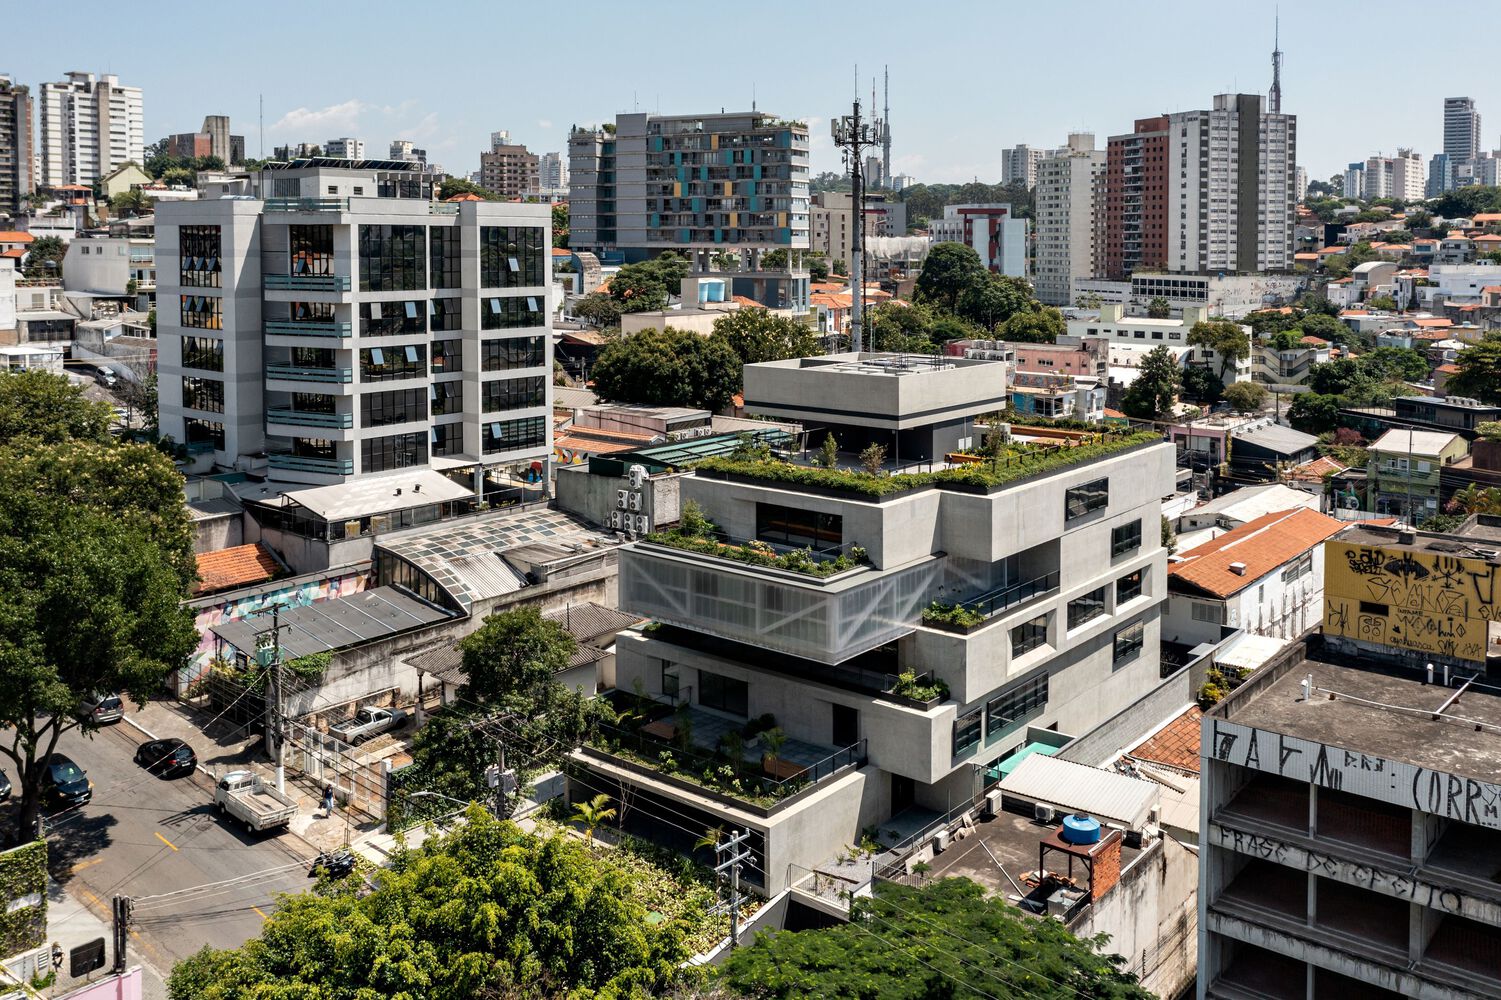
(967, 78)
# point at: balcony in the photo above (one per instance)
(966, 616)
(307, 328)
(303, 463)
(310, 418)
(307, 204)
(442, 208)
(306, 282)
(297, 373)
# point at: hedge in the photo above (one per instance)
(23, 871)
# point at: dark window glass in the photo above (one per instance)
(1009, 709)
(312, 249)
(204, 353)
(1128, 588)
(383, 364)
(447, 397)
(377, 409)
(312, 402)
(1029, 635)
(514, 393)
(203, 394)
(392, 319)
(443, 246)
(399, 451)
(448, 439)
(798, 527)
(510, 312)
(392, 259)
(448, 356)
(201, 258)
(1125, 538)
(724, 693)
(967, 731)
(511, 256)
(1085, 498)
(202, 312)
(1082, 609)
(517, 352)
(313, 312)
(204, 432)
(444, 315)
(510, 435)
(315, 448)
(1128, 641)
(1369, 608)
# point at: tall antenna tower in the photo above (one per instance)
(886, 123)
(1274, 99)
(854, 133)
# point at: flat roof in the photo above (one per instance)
(1107, 795)
(1401, 441)
(336, 624)
(379, 494)
(1276, 438)
(1472, 539)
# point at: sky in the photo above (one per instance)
(968, 79)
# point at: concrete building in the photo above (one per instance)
(1227, 295)
(347, 326)
(1400, 176)
(111, 266)
(88, 126)
(17, 149)
(213, 139)
(1440, 175)
(1461, 134)
(1019, 165)
(345, 148)
(1065, 566)
(1066, 204)
(1145, 332)
(831, 222)
(1058, 396)
(1354, 178)
(1402, 474)
(992, 231)
(1134, 220)
(1300, 184)
(508, 169)
(552, 173)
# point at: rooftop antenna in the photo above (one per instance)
(886, 123)
(1274, 99)
(753, 96)
(262, 98)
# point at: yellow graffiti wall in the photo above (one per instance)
(1431, 602)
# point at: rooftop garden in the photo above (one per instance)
(1018, 464)
(696, 533)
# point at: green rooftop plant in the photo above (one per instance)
(1490, 431)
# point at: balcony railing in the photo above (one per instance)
(442, 208)
(303, 463)
(999, 601)
(306, 282)
(310, 418)
(307, 328)
(297, 373)
(307, 204)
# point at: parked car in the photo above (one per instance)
(101, 708)
(64, 783)
(243, 795)
(367, 723)
(4, 787)
(168, 758)
(107, 378)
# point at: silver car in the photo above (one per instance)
(102, 708)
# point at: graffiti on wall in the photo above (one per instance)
(1430, 602)
(294, 596)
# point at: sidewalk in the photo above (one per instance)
(71, 922)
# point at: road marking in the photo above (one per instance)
(262, 912)
(84, 864)
(105, 914)
(166, 841)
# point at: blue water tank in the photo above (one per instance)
(1081, 830)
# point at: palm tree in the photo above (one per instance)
(711, 838)
(773, 739)
(1475, 500)
(592, 813)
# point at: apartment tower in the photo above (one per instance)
(1133, 224)
(88, 126)
(1065, 206)
(16, 147)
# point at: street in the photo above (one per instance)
(145, 836)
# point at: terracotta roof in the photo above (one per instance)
(1114, 413)
(15, 252)
(1490, 289)
(1447, 369)
(560, 252)
(592, 445)
(1488, 238)
(1175, 744)
(1315, 470)
(747, 301)
(1312, 340)
(465, 196)
(1333, 250)
(1487, 217)
(239, 566)
(1261, 545)
(1305, 256)
(1433, 321)
(15, 236)
(1355, 312)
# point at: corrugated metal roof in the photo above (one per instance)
(1079, 788)
(336, 624)
(487, 573)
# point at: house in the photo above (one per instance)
(124, 178)
(1238, 507)
(1403, 471)
(1257, 454)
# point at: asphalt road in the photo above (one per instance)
(144, 836)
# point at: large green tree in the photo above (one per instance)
(598, 309)
(1246, 397)
(1202, 385)
(1402, 363)
(1313, 412)
(906, 329)
(49, 408)
(454, 186)
(638, 288)
(668, 368)
(1230, 342)
(1035, 326)
(755, 335)
(947, 272)
(560, 225)
(947, 939)
(45, 257)
(1479, 372)
(1152, 392)
(993, 299)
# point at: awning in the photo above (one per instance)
(1008, 765)
(1079, 788)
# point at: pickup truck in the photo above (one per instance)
(243, 795)
(368, 722)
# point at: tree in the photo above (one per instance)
(828, 455)
(599, 310)
(513, 658)
(45, 258)
(1383, 302)
(1397, 236)
(948, 270)
(1474, 499)
(1401, 363)
(1313, 412)
(873, 458)
(755, 335)
(486, 911)
(818, 267)
(638, 288)
(1340, 265)
(1158, 308)
(668, 368)
(1040, 326)
(132, 202)
(454, 186)
(945, 939)
(1202, 385)
(905, 329)
(992, 299)
(1323, 325)
(560, 225)
(1155, 387)
(595, 812)
(1246, 397)
(37, 404)
(1479, 372)
(1229, 341)
(1336, 378)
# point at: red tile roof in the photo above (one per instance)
(466, 196)
(1175, 744)
(15, 252)
(1262, 545)
(239, 566)
(1315, 470)
(15, 236)
(1311, 340)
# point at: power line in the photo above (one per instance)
(920, 961)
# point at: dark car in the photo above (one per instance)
(168, 758)
(64, 783)
(4, 787)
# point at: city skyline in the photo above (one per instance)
(364, 99)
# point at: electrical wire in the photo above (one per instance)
(176, 893)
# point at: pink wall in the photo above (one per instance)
(122, 987)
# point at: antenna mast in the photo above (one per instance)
(886, 124)
(1274, 100)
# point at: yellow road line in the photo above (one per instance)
(105, 914)
(84, 864)
(166, 841)
(262, 912)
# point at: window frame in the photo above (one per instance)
(1084, 499)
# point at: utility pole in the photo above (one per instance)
(732, 845)
(276, 724)
(854, 135)
(120, 907)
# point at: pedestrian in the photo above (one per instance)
(328, 800)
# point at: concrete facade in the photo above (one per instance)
(88, 126)
(17, 146)
(1066, 203)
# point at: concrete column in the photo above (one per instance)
(1426, 829)
(1422, 924)
(1313, 809)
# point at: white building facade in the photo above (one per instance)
(1066, 200)
(88, 126)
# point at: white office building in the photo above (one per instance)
(1019, 165)
(89, 126)
(347, 325)
(1461, 134)
(1066, 202)
(346, 148)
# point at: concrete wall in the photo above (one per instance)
(1152, 916)
(787, 389)
(1102, 743)
(221, 531)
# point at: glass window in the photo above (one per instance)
(510, 312)
(448, 356)
(399, 451)
(203, 394)
(513, 393)
(1083, 609)
(1009, 709)
(723, 693)
(511, 256)
(1125, 538)
(1086, 498)
(448, 439)
(444, 315)
(967, 731)
(392, 319)
(202, 312)
(1128, 642)
(383, 365)
(443, 249)
(377, 409)
(203, 353)
(511, 435)
(797, 527)
(1128, 587)
(517, 352)
(204, 432)
(312, 249)
(1206, 612)
(447, 397)
(200, 260)
(392, 259)
(314, 312)
(312, 402)
(1299, 568)
(1029, 635)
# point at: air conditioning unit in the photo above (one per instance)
(635, 501)
(617, 519)
(637, 475)
(940, 841)
(622, 498)
(1043, 812)
(993, 802)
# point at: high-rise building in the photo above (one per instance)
(992, 230)
(552, 172)
(1461, 131)
(1019, 165)
(1300, 184)
(346, 148)
(831, 218)
(89, 126)
(1133, 225)
(1065, 204)
(1440, 175)
(1354, 177)
(213, 139)
(692, 183)
(1399, 176)
(17, 150)
(402, 149)
(347, 326)
(508, 169)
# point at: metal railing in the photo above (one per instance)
(306, 282)
(309, 418)
(296, 373)
(996, 601)
(307, 204)
(307, 328)
(442, 208)
(303, 463)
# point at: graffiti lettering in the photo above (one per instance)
(1364, 561)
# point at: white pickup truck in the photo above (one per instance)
(243, 795)
(368, 723)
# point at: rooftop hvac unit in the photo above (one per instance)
(940, 841)
(1043, 812)
(637, 475)
(993, 802)
(1060, 902)
(635, 501)
(622, 498)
